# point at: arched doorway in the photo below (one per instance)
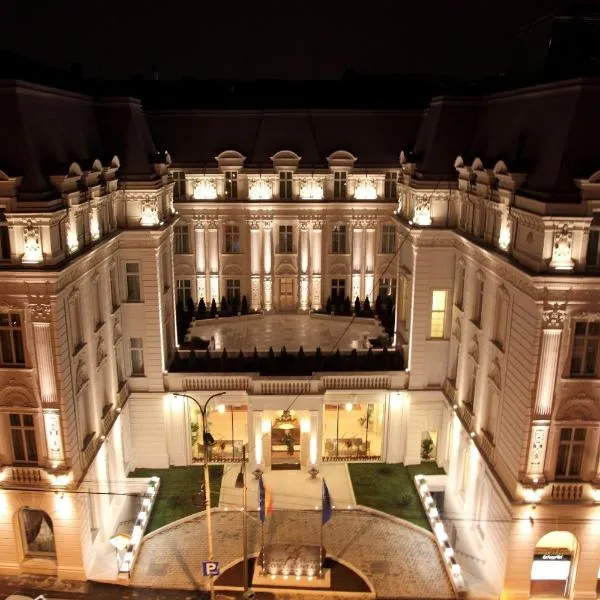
(554, 565)
(37, 533)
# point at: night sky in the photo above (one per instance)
(269, 39)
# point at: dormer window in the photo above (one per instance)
(340, 185)
(592, 258)
(4, 238)
(391, 186)
(231, 185)
(285, 185)
(179, 185)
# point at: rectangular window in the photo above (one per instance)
(178, 185)
(338, 239)
(119, 363)
(182, 239)
(285, 185)
(388, 239)
(459, 288)
(338, 289)
(76, 327)
(132, 271)
(340, 185)
(470, 398)
(233, 289)
(184, 291)
(570, 453)
(166, 271)
(231, 185)
(286, 238)
(137, 356)
(22, 435)
(98, 301)
(232, 239)
(438, 314)
(391, 186)
(584, 355)
(478, 307)
(406, 285)
(11, 339)
(500, 319)
(114, 291)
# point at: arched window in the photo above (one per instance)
(4, 238)
(37, 533)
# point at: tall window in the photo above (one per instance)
(470, 398)
(184, 291)
(501, 318)
(570, 452)
(391, 186)
(114, 291)
(137, 356)
(132, 272)
(119, 364)
(465, 470)
(388, 239)
(231, 185)
(76, 325)
(478, 306)
(4, 238)
(285, 185)
(338, 239)
(97, 283)
(232, 239)
(405, 299)
(166, 271)
(438, 314)
(179, 185)
(182, 239)
(233, 289)
(11, 339)
(459, 286)
(592, 258)
(340, 185)
(338, 289)
(22, 435)
(584, 356)
(37, 533)
(286, 238)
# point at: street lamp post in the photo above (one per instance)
(206, 438)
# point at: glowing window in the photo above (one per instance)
(438, 313)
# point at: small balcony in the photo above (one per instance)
(562, 492)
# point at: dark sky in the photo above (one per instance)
(253, 39)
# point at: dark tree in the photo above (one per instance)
(318, 359)
(337, 359)
(201, 312)
(192, 360)
(235, 305)
(367, 307)
(213, 308)
(283, 351)
(369, 362)
(190, 306)
(385, 358)
(207, 361)
(338, 301)
(353, 359)
(224, 360)
(328, 305)
(347, 305)
(256, 360)
(378, 305)
(240, 361)
(357, 306)
(176, 361)
(244, 305)
(223, 305)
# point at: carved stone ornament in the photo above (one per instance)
(149, 212)
(578, 408)
(205, 189)
(212, 224)
(554, 316)
(311, 189)
(15, 394)
(474, 350)
(100, 351)
(304, 225)
(267, 224)
(117, 330)
(317, 224)
(422, 214)
(495, 374)
(72, 241)
(538, 443)
(32, 247)
(40, 313)
(254, 224)
(561, 249)
(365, 189)
(457, 330)
(81, 375)
(260, 189)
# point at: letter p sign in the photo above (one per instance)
(210, 568)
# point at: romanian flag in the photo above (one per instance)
(265, 500)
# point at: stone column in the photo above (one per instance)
(316, 437)
(316, 246)
(267, 266)
(42, 341)
(370, 260)
(255, 263)
(213, 260)
(200, 260)
(303, 258)
(357, 260)
(552, 323)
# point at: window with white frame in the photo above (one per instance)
(340, 185)
(438, 314)
(338, 239)
(11, 339)
(114, 290)
(231, 185)
(459, 286)
(182, 239)
(584, 352)
(592, 258)
(286, 239)
(132, 274)
(388, 239)
(184, 291)
(285, 185)
(178, 185)
(501, 318)
(22, 437)
(4, 238)
(391, 186)
(478, 301)
(232, 239)
(137, 356)
(232, 287)
(571, 447)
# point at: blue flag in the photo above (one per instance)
(265, 501)
(326, 504)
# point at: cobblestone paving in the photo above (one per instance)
(399, 560)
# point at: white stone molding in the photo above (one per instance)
(548, 367)
(473, 349)
(457, 330)
(117, 331)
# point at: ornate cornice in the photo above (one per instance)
(41, 313)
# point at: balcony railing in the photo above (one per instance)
(466, 416)
(567, 492)
(26, 475)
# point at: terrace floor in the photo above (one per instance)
(292, 331)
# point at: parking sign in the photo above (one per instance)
(210, 568)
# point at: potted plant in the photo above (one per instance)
(427, 449)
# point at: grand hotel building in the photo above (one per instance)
(480, 217)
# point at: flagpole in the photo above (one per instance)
(262, 545)
(321, 540)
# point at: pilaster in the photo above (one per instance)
(200, 259)
(255, 263)
(316, 253)
(357, 260)
(267, 265)
(369, 259)
(213, 259)
(303, 258)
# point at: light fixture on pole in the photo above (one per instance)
(207, 441)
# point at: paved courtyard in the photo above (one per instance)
(291, 331)
(400, 560)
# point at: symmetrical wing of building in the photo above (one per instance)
(474, 224)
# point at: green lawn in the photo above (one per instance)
(391, 488)
(178, 485)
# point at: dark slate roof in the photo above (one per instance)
(196, 137)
